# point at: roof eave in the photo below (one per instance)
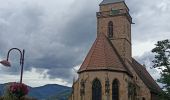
(111, 70)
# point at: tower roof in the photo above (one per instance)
(110, 1)
(103, 56)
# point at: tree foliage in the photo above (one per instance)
(162, 62)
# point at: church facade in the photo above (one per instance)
(109, 72)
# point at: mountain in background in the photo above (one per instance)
(46, 92)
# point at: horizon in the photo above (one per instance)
(39, 86)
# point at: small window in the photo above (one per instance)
(115, 90)
(110, 29)
(96, 90)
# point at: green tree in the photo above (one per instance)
(162, 62)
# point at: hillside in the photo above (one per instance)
(46, 92)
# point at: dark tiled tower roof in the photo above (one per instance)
(110, 1)
(103, 56)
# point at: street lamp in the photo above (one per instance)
(7, 63)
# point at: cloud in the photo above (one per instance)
(58, 34)
(34, 78)
(146, 59)
(53, 40)
(150, 18)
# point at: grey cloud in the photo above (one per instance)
(17, 22)
(58, 41)
(57, 45)
(150, 18)
(147, 59)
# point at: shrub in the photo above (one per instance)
(14, 91)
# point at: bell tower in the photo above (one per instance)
(109, 72)
(114, 21)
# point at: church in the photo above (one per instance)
(109, 72)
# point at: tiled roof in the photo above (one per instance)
(103, 56)
(110, 1)
(146, 77)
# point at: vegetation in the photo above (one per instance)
(1, 98)
(15, 91)
(61, 96)
(24, 98)
(162, 62)
(46, 92)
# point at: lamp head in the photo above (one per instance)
(5, 63)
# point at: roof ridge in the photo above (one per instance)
(105, 54)
(94, 49)
(89, 52)
(95, 42)
(120, 58)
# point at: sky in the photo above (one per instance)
(57, 36)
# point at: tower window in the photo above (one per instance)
(96, 90)
(110, 29)
(115, 90)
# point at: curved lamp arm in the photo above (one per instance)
(7, 63)
(21, 55)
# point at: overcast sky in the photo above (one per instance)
(57, 35)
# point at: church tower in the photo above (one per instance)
(114, 21)
(109, 72)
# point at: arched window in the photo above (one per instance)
(115, 90)
(110, 29)
(96, 90)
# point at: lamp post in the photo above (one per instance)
(7, 63)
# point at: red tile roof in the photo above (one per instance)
(103, 56)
